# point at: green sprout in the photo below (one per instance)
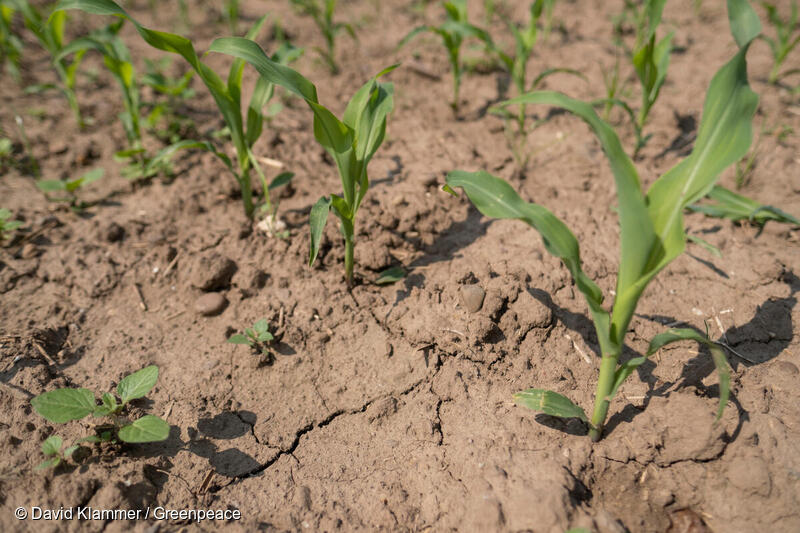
(63, 405)
(351, 142)
(525, 39)
(650, 59)
(651, 225)
(117, 59)
(50, 34)
(453, 33)
(174, 91)
(256, 337)
(232, 15)
(51, 448)
(7, 226)
(727, 204)
(321, 11)
(10, 44)
(244, 131)
(55, 190)
(784, 41)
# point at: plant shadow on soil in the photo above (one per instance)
(768, 344)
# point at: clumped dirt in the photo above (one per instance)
(389, 408)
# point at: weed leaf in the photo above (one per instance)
(149, 428)
(52, 445)
(63, 405)
(137, 384)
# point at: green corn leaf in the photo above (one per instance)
(280, 180)
(278, 74)
(497, 199)
(723, 138)
(317, 220)
(707, 246)
(63, 405)
(679, 334)
(138, 384)
(149, 428)
(744, 22)
(549, 403)
(52, 445)
(733, 206)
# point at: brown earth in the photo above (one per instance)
(389, 408)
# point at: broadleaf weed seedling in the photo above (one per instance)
(784, 41)
(64, 405)
(244, 131)
(453, 32)
(322, 11)
(651, 225)
(257, 338)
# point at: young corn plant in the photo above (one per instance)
(651, 224)
(117, 59)
(787, 37)
(525, 39)
(10, 44)
(173, 93)
(453, 33)
(321, 11)
(64, 405)
(351, 142)
(50, 34)
(244, 131)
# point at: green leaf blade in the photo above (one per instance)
(138, 384)
(149, 428)
(64, 405)
(550, 403)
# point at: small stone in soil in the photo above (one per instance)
(28, 251)
(211, 271)
(210, 304)
(472, 297)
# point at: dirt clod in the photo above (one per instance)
(210, 304)
(211, 271)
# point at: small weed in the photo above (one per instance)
(64, 405)
(7, 226)
(257, 338)
(67, 191)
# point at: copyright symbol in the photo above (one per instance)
(20, 513)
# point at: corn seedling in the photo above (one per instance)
(453, 33)
(651, 225)
(351, 142)
(245, 131)
(117, 59)
(728, 204)
(50, 34)
(232, 15)
(64, 405)
(651, 58)
(168, 111)
(10, 43)
(525, 39)
(257, 338)
(7, 226)
(321, 11)
(67, 191)
(784, 41)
